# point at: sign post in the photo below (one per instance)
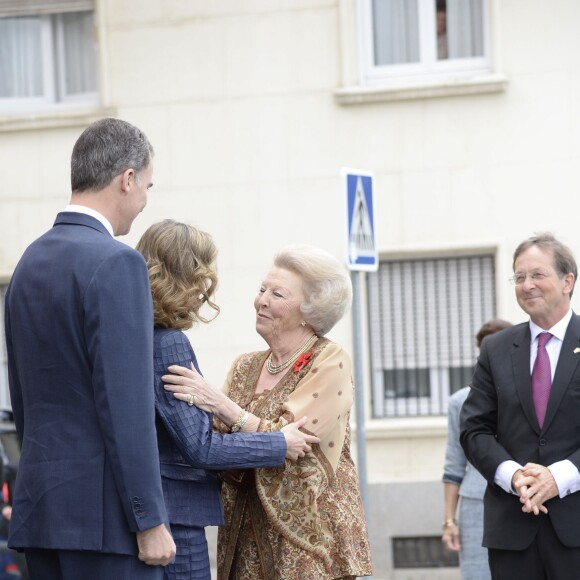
(361, 257)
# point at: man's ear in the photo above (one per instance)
(127, 179)
(569, 280)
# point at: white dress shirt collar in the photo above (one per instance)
(93, 213)
(558, 330)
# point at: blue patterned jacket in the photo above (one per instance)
(188, 447)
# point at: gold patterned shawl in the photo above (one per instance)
(323, 391)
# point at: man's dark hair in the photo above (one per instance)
(490, 327)
(105, 149)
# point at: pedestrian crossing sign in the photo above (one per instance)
(361, 243)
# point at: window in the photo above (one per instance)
(47, 59)
(414, 39)
(424, 315)
(4, 392)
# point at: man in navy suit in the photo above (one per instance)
(88, 501)
(521, 419)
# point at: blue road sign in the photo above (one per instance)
(361, 242)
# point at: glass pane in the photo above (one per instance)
(80, 54)
(407, 383)
(459, 377)
(20, 57)
(395, 31)
(464, 28)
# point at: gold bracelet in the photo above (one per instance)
(240, 421)
(449, 522)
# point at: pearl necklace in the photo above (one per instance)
(274, 370)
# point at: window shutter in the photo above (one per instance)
(424, 314)
(35, 7)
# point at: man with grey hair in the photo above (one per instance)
(88, 501)
(520, 423)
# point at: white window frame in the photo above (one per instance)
(54, 96)
(428, 67)
(354, 92)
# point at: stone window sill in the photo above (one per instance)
(53, 119)
(359, 95)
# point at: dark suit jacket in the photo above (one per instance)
(188, 447)
(499, 423)
(79, 330)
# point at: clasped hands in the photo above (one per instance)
(535, 485)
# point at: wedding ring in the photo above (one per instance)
(191, 400)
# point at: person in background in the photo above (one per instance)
(305, 519)
(519, 423)
(88, 501)
(461, 479)
(441, 30)
(13, 563)
(181, 261)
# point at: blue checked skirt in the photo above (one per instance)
(192, 558)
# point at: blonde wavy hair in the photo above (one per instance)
(181, 264)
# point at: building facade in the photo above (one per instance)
(467, 112)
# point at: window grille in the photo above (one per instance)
(422, 552)
(424, 315)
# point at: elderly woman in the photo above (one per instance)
(303, 520)
(181, 264)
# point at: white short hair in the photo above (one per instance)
(326, 284)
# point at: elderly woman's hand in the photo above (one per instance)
(298, 444)
(189, 386)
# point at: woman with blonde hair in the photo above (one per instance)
(301, 520)
(181, 264)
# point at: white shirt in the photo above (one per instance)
(93, 213)
(564, 472)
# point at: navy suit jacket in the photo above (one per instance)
(188, 447)
(499, 423)
(79, 335)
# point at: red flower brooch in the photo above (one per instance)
(302, 361)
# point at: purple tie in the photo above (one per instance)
(541, 378)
